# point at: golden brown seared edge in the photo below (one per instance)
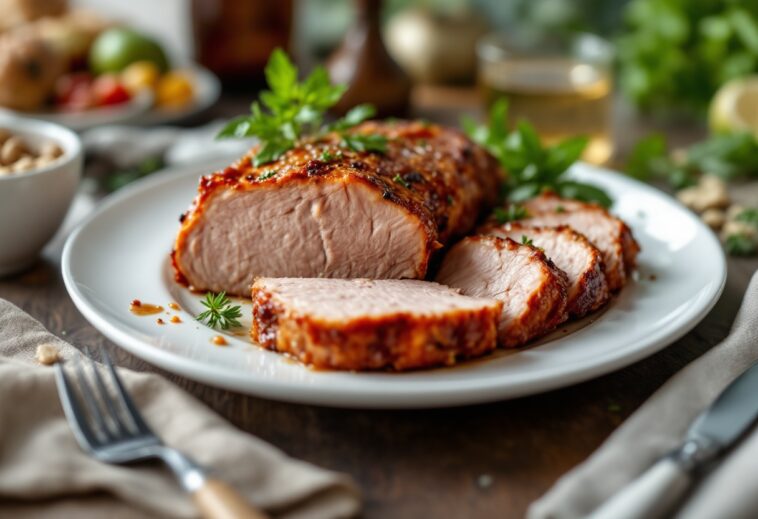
(399, 341)
(436, 173)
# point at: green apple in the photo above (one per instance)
(117, 48)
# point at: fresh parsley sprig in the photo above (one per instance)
(531, 167)
(220, 311)
(291, 110)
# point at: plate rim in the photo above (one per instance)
(367, 398)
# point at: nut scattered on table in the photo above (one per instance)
(714, 218)
(47, 354)
(709, 193)
(18, 155)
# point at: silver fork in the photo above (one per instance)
(108, 425)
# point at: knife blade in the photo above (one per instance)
(731, 414)
(662, 486)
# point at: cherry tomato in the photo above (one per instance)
(108, 90)
(74, 91)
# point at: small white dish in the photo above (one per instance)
(34, 203)
(121, 253)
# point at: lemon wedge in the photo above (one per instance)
(734, 108)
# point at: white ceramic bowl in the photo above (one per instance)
(33, 204)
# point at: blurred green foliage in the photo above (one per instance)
(674, 54)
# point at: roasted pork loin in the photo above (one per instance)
(533, 290)
(572, 253)
(326, 211)
(361, 324)
(606, 232)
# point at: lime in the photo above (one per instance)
(734, 108)
(117, 48)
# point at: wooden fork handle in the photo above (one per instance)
(217, 500)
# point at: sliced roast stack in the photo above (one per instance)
(335, 245)
(532, 289)
(572, 253)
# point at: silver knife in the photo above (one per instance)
(656, 492)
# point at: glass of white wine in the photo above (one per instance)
(560, 84)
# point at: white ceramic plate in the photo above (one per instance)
(121, 253)
(138, 111)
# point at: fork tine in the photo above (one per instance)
(77, 419)
(126, 400)
(121, 428)
(93, 408)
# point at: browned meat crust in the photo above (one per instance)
(572, 253)
(399, 340)
(533, 290)
(440, 179)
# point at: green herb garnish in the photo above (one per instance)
(748, 216)
(531, 167)
(728, 156)
(220, 311)
(291, 110)
(741, 245)
(400, 180)
(525, 240)
(267, 174)
(510, 214)
(119, 179)
(364, 142)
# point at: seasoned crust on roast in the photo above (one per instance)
(572, 253)
(326, 211)
(608, 233)
(362, 324)
(533, 290)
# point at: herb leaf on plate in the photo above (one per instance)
(220, 313)
(290, 111)
(531, 167)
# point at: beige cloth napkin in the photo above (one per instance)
(44, 473)
(729, 491)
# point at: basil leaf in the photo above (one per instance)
(583, 192)
(236, 128)
(361, 142)
(524, 192)
(561, 156)
(270, 151)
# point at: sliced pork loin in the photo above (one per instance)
(323, 210)
(361, 324)
(533, 290)
(609, 234)
(572, 253)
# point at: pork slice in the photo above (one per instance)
(533, 290)
(324, 210)
(572, 253)
(362, 324)
(608, 233)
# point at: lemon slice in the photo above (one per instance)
(734, 108)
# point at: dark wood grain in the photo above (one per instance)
(433, 463)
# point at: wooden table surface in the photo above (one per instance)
(478, 461)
